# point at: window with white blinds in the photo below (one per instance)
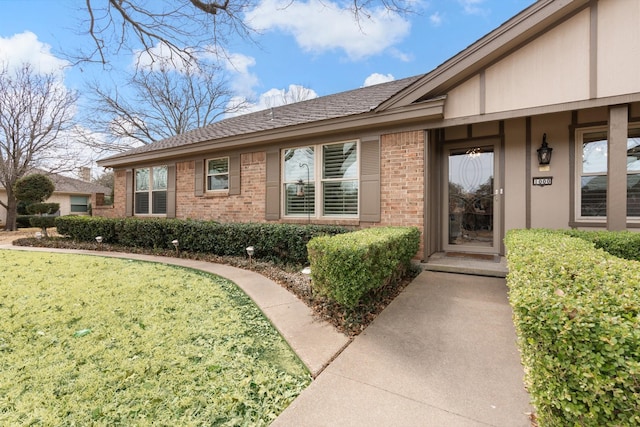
(340, 179)
(593, 173)
(325, 176)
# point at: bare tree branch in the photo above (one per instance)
(162, 103)
(186, 27)
(35, 110)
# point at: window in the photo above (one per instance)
(324, 176)
(79, 204)
(593, 174)
(151, 191)
(299, 181)
(340, 179)
(633, 173)
(218, 174)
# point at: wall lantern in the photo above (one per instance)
(300, 188)
(544, 152)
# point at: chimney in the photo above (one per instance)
(85, 174)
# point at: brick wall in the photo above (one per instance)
(402, 179)
(249, 206)
(98, 207)
(402, 188)
(119, 195)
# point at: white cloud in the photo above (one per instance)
(473, 7)
(272, 98)
(377, 78)
(160, 56)
(242, 79)
(319, 26)
(435, 19)
(26, 48)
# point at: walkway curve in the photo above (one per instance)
(315, 342)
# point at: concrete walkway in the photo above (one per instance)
(442, 353)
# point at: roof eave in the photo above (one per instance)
(424, 111)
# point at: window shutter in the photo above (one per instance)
(171, 191)
(128, 182)
(272, 196)
(199, 178)
(234, 174)
(370, 180)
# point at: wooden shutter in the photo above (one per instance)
(370, 180)
(128, 182)
(272, 196)
(171, 191)
(199, 178)
(234, 174)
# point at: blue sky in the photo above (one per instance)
(318, 48)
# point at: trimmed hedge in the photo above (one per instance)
(577, 316)
(345, 267)
(623, 244)
(275, 242)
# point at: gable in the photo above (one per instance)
(553, 53)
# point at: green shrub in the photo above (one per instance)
(23, 221)
(87, 228)
(623, 244)
(43, 208)
(577, 316)
(43, 222)
(347, 266)
(277, 242)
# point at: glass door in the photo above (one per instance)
(471, 199)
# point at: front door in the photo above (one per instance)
(471, 199)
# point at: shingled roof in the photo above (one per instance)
(67, 185)
(339, 105)
(64, 184)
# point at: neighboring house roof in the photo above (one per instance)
(65, 184)
(344, 104)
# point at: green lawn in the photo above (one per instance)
(98, 341)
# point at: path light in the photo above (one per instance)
(250, 251)
(175, 244)
(38, 235)
(99, 239)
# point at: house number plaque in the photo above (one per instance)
(543, 180)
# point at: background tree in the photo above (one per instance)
(35, 110)
(160, 101)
